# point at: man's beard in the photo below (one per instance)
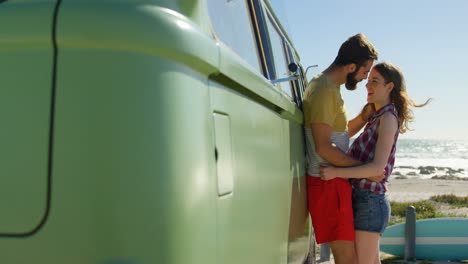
(351, 82)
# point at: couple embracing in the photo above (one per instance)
(347, 185)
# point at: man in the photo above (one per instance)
(327, 138)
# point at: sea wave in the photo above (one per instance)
(450, 156)
(453, 163)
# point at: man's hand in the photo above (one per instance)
(327, 172)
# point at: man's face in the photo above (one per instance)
(358, 75)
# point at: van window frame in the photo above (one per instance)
(285, 50)
(262, 37)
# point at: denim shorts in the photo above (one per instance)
(371, 210)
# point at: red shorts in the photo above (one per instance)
(331, 209)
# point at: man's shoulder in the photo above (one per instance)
(321, 83)
(320, 86)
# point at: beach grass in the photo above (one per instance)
(426, 209)
(451, 199)
(392, 260)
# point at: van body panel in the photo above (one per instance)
(259, 198)
(134, 163)
(136, 26)
(155, 183)
(26, 67)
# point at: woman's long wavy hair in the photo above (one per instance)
(398, 96)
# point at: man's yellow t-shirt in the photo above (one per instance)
(323, 104)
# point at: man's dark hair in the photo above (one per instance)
(358, 50)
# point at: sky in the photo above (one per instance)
(427, 39)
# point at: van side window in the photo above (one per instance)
(232, 25)
(279, 56)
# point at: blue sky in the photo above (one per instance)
(427, 39)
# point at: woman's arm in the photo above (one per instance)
(386, 131)
(355, 124)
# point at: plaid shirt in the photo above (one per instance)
(363, 149)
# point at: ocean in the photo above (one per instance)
(427, 159)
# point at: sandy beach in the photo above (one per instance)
(421, 189)
(408, 190)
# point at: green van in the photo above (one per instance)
(150, 131)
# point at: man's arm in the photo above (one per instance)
(387, 130)
(321, 134)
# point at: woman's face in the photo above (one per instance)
(378, 91)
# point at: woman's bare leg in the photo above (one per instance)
(367, 247)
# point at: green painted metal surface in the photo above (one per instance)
(26, 67)
(134, 177)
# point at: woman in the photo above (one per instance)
(375, 147)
